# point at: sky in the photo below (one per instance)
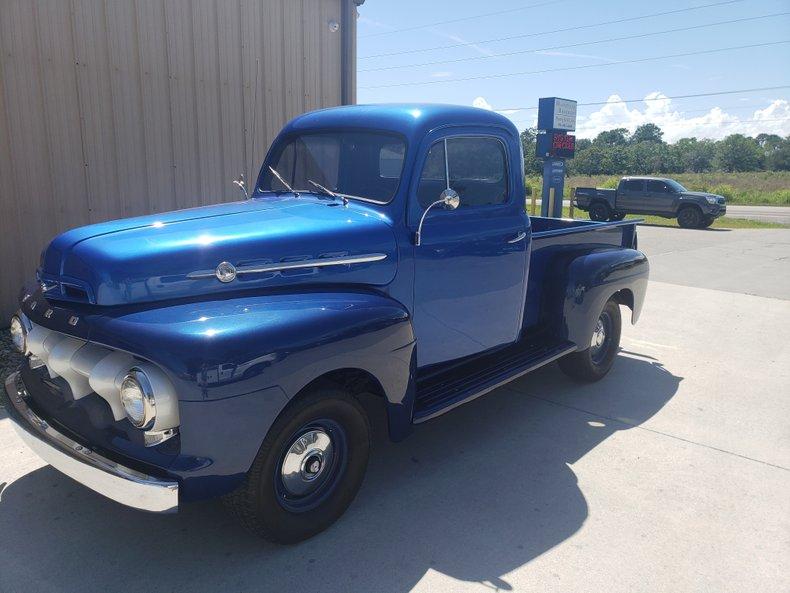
(504, 55)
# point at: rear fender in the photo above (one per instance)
(592, 280)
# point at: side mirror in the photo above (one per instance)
(449, 198)
(242, 186)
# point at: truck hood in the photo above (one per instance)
(175, 254)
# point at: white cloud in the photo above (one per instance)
(481, 103)
(441, 74)
(660, 110)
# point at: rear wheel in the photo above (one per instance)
(308, 470)
(618, 216)
(600, 211)
(593, 363)
(690, 217)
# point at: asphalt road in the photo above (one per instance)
(671, 474)
(777, 214)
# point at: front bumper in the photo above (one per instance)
(716, 210)
(115, 481)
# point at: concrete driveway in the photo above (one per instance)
(671, 474)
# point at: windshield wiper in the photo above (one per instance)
(328, 192)
(280, 178)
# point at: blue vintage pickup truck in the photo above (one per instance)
(382, 264)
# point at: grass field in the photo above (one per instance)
(769, 188)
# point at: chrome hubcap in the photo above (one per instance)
(306, 461)
(599, 335)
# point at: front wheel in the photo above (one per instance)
(593, 363)
(690, 217)
(618, 216)
(707, 222)
(308, 469)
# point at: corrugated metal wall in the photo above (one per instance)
(114, 108)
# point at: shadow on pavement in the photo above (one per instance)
(474, 495)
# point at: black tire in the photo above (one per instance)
(690, 217)
(592, 364)
(707, 221)
(618, 216)
(600, 211)
(265, 505)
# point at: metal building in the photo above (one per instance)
(114, 108)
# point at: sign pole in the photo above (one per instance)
(553, 144)
(553, 185)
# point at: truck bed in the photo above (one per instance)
(556, 240)
(583, 196)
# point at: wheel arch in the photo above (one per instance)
(360, 384)
(595, 278)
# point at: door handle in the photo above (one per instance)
(520, 237)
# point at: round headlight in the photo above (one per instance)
(137, 398)
(18, 334)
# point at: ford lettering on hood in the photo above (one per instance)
(261, 243)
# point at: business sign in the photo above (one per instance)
(556, 114)
(554, 145)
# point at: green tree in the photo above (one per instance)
(589, 161)
(648, 133)
(738, 153)
(694, 155)
(532, 164)
(778, 159)
(650, 157)
(616, 137)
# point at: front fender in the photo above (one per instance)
(592, 280)
(226, 348)
(236, 363)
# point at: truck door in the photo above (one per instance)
(661, 196)
(631, 196)
(471, 267)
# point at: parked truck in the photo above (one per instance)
(655, 196)
(382, 265)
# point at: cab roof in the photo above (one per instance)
(413, 120)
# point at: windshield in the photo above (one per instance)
(358, 165)
(675, 185)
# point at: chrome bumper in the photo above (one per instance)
(98, 473)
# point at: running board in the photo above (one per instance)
(441, 392)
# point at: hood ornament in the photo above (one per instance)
(225, 272)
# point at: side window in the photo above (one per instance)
(432, 180)
(632, 185)
(391, 160)
(654, 185)
(478, 170)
